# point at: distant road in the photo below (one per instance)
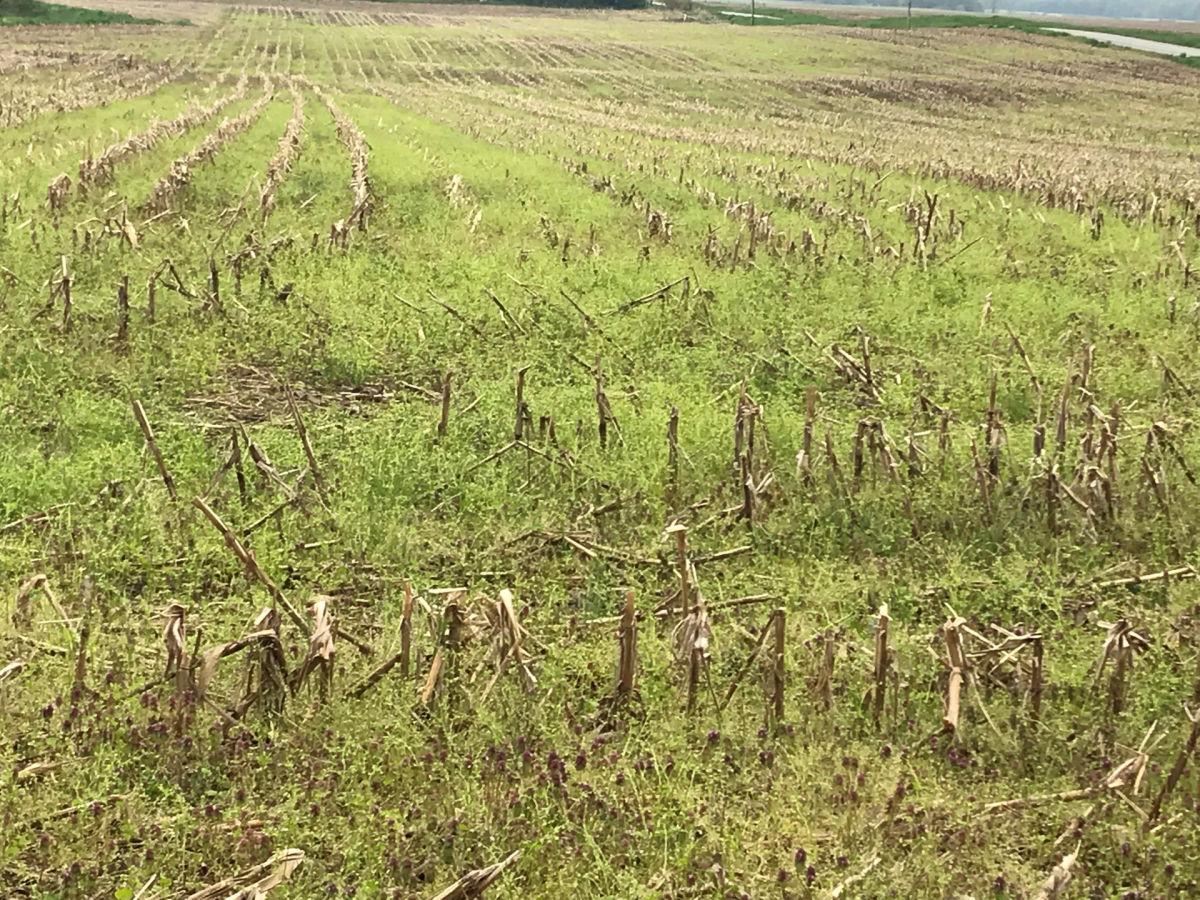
(1132, 43)
(862, 12)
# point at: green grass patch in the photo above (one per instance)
(35, 12)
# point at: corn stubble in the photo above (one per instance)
(977, 347)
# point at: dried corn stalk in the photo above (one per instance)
(679, 532)
(776, 672)
(320, 655)
(474, 883)
(58, 192)
(257, 881)
(174, 636)
(454, 628)
(1120, 645)
(271, 656)
(406, 612)
(1058, 879)
(804, 457)
(627, 657)
(882, 664)
(692, 637)
(823, 685)
(1037, 681)
(625, 693)
(958, 671)
(506, 647)
(267, 673)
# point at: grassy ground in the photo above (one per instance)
(34, 12)
(994, 311)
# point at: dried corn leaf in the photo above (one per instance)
(254, 883)
(474, 883)
(1058, 879)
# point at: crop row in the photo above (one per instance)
(360, 187)
(285, 155)
(95, 171)
(182, 168)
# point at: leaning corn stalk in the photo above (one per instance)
(180, 174)
(748, 664)
(1127, 775)
(1186, 753)
(255, 882)
(474, 883)
(23, 614)
(1058, 879)
(401, 658)
(247, 558)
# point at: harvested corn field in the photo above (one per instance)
(452, 452)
